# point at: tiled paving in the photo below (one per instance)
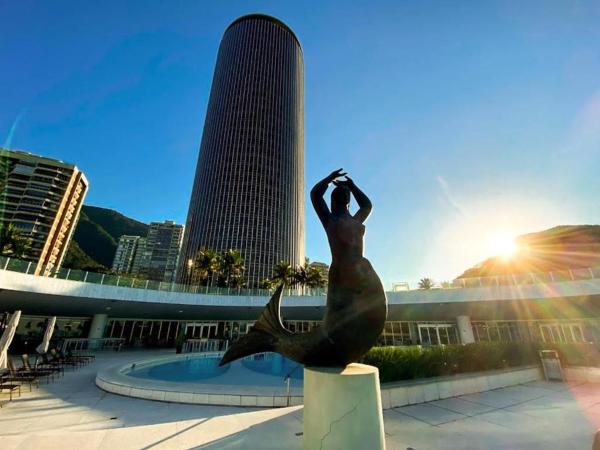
(74, 413)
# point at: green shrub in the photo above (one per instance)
(408, 363)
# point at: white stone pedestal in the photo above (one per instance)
(342, 408)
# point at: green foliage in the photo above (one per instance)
(12, 243)
(224, 269)
(283, 272)
(305, 275)
(425, 283)
(97, 234)
(231, 269)
(115, 223)
(309, 275)
(265, 284)
(407, 363)
(78, 259)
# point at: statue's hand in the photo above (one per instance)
(336, 174)
(347, 182)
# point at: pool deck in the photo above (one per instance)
(73, 413)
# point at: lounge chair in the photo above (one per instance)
(10, 388)
(7, 376)
(64, 359)
(40, 366)
(29, 373)
(46, 363)
(87, 356)
(55, 359)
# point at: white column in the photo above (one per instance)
(465, 330)
(99, 322)
(342, 408)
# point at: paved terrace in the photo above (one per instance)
(73, 413)
(54, 296)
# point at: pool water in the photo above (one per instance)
(275, 364)
(200, 368)
(186, 370)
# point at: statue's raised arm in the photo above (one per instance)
(317, 193)
(364, 204)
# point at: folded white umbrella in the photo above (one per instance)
(43, 347)
(7, 338)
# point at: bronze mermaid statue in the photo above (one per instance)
(356, 303)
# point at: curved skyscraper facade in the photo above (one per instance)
(248, 190)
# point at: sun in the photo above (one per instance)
(502, 245)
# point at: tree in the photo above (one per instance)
(315, 277)
(205, 265)
(283, 273)
(266, 284)
(309, 275)
(12, 242)
(231, 269)
(425, 283)
(300, 275)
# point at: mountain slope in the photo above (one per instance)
(96, 236)
(560, 248)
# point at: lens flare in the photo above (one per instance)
(502, 245)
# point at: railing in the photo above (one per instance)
(28, 267)
(287, 379)
(204, 345)
(82, 344)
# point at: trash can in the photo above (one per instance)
(551, 365)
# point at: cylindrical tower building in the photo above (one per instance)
(248, 190)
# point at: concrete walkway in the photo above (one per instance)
(73, 413)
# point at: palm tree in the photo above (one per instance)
(206, 264)
(309, 275)
(425, 283)
(231, 269)
(300, 275)
(266, 284)
(315, 278)
(283, 273)
(12, 242)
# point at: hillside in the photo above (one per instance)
(96, 235)
(560, 248)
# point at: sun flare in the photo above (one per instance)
(503, 246)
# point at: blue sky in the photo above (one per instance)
(463, 121)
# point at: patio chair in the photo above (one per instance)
(39, 367)
(55, 358)
(87, 356)
(46, 363)
(70, 360)
(8, 377)
(10, 388)
(31, 373)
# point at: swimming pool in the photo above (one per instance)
(259, 380)
(200, 367)
(188, 370)
(274, 364)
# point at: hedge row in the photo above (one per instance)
(407, 363)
